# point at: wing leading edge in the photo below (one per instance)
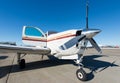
(23, 49)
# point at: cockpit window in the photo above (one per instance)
(30, 31)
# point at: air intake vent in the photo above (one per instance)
(78, 33)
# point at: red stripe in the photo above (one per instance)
(60, 38)
(30, 39)
(34, 39)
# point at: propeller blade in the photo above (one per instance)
(71, 42)
(82, 37)
(93, 42)
(87, 16)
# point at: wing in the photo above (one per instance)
(24, 49)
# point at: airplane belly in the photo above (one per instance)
(68, 52)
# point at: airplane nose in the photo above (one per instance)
(96, 31)
(91, 33)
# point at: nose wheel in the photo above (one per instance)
(81, 74)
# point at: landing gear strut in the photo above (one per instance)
(80, 73)
(21, 62)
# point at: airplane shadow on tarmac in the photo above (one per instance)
(88, 61)
(91, 63)
(3, 57)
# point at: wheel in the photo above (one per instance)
(22, 63)
(81, 74)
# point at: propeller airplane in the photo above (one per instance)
(66, 45)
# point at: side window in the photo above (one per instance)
(30, 31)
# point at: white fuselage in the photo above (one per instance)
(55, 41)
(66, 43)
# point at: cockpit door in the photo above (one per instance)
(34, 36)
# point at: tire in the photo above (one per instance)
(22, 64)
(81, 74)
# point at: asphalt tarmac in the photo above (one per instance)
(101, 68)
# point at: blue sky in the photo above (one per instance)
(60, 15)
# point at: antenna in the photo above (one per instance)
(87, 15)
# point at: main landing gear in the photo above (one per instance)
(80, 73)
(20, 61)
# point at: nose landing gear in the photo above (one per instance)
(80, 73)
